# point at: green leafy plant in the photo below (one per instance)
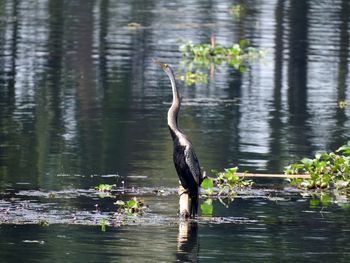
(228, 180)
(235, 55)
(208, 185)
(222, 186)
(207, 207)
(225, 183)
(326, 170)
(132, 207)
(206, 56)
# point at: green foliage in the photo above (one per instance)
(208, 185)
(228, 180)
(235, 55)
(131, 207)
(326, 170)
(207, 207)
(345, 149)
(206, 56)
(225, 183)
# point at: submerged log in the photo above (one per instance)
(292, 176)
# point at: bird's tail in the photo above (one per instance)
(194, 205)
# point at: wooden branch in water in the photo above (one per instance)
(184, 203)
(293, 176)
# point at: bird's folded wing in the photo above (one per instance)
(193, 164)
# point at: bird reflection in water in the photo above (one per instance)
(187, 241)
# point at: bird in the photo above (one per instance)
(185, 159)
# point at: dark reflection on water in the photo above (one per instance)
(80, 99)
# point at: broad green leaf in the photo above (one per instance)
(307, 161)
(132, 203)
(207, 208)
(207, 184)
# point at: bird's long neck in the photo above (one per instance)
(175, 106)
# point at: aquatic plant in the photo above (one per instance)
(208, 186)
(235, 55)
(222, 186)
(207, 56)
(132, 207)
(326, 170)
(207, 207)
(225, 183)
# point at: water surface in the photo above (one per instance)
(81, 99)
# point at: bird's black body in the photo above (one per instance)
(185, 159)
(186, 176)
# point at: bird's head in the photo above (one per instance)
(162, 66)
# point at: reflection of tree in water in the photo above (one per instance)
(275, 122)
(188, 244)
(297, 76)
(340, 131)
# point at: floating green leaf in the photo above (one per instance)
(207, 184)
(207, 207)
(345, 149)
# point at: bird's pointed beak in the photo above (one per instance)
(162, 66)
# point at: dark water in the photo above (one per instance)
(82, 103)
